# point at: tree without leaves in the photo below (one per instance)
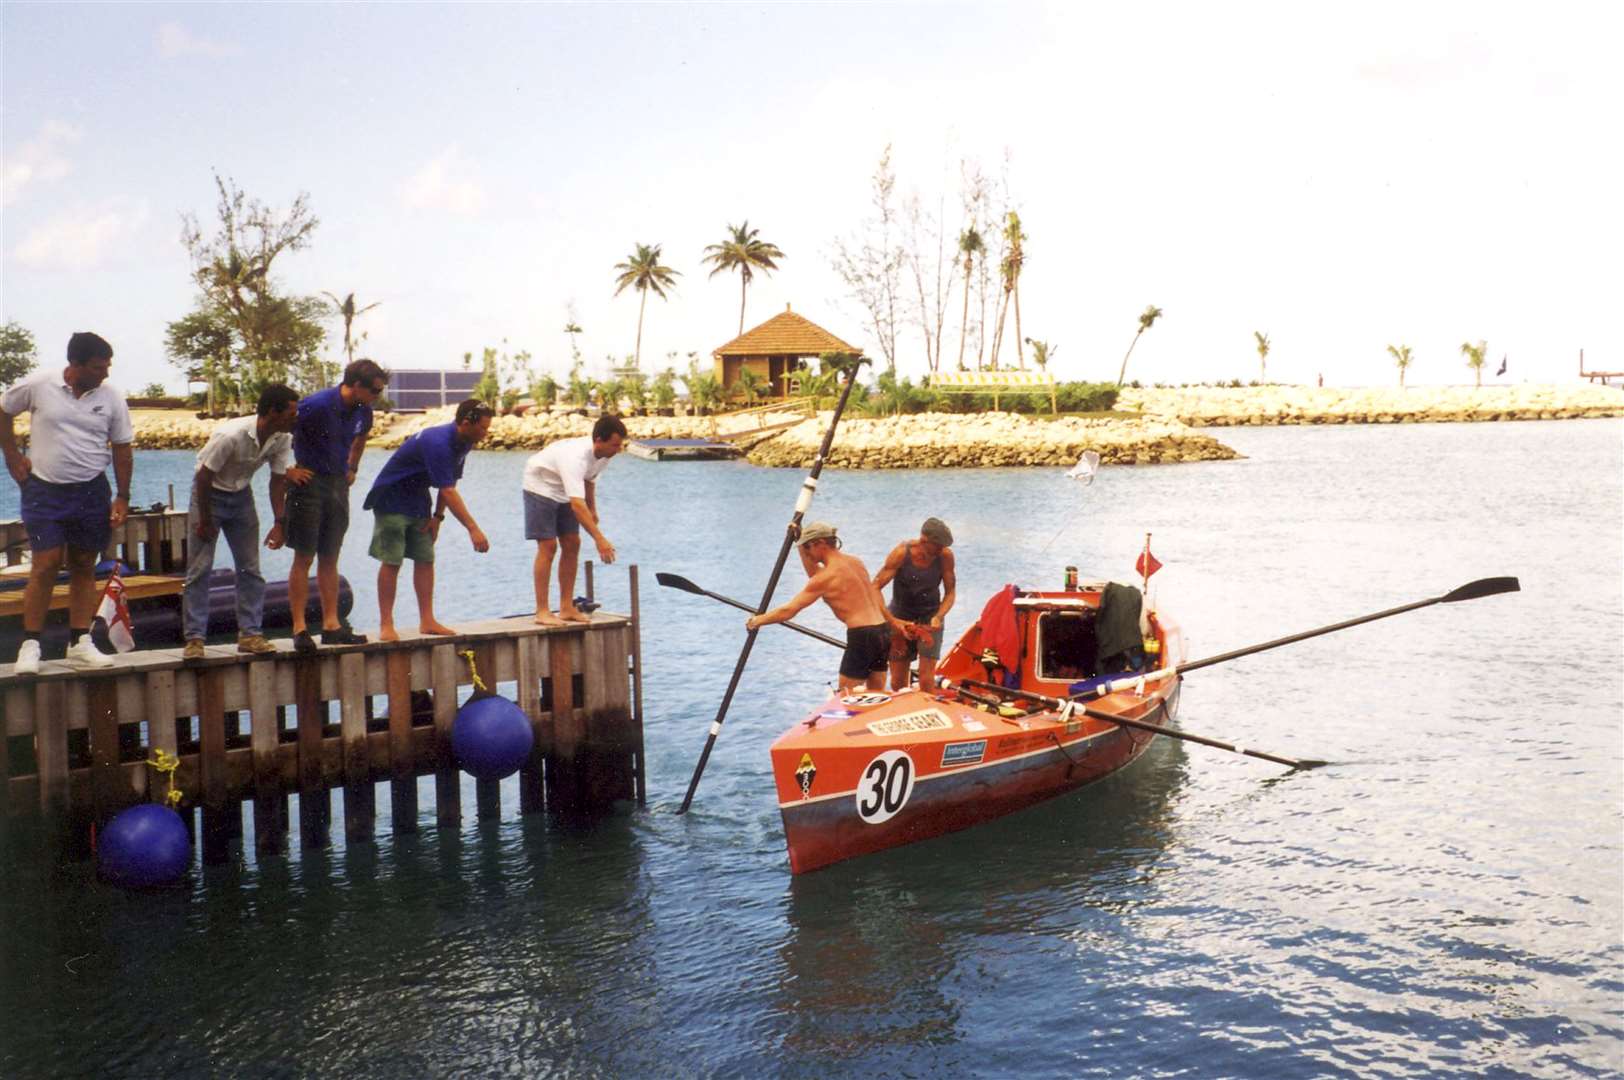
(18, 354)
(1262, 354)
(1475, 355)
(1147, 318)
(345, 309)
(642, 271)
(933, 273)
(745, 252)
(870, 262)
(1401, 357)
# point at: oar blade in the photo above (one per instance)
(675, 581)
(1489, 586)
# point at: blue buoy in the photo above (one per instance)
(491, 737)
(144, 847)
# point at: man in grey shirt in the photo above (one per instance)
(223, 501)
(78, 423)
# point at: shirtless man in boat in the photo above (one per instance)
(842, 582)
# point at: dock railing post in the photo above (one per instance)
(637, 692)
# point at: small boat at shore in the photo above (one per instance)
(866, 771)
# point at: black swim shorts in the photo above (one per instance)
(868, 648)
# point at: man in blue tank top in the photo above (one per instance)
(922, 579)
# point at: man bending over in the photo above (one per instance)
(842, 582)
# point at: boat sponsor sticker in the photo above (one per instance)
(908, 723)
(805, 773)
(964, 753)
(885, 787)
(836, 714)
(865, 701)
(973, 725)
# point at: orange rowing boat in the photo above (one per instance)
(868, 771)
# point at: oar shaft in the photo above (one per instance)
(1144, 725)
(1305, 635)
(791, 532)
(807, 630)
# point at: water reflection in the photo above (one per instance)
(872, 944)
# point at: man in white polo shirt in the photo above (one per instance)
(223, 501)
(560, 499)
(78, 423)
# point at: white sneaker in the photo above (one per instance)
(27, 658)
(87, 654)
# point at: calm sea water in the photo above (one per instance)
(1444, 899)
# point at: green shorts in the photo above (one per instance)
(396, 537)
(318, 515)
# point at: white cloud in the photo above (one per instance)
(444, 183)
(175, 40)
(83, 239)
(40, 158)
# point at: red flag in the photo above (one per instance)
(115, 612)
(1146, 564)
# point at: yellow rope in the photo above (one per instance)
(165, 762)
(473, 672)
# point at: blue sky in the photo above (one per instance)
(1340, 178)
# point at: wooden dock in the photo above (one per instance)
(150, 540)
(76, 744)
(682, 450)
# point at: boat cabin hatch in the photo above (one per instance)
(1067, 644)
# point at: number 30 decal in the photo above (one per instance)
(885, 786)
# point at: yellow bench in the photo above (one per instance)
(996, 383)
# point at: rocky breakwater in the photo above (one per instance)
(533, 430)
(987, 440)
(1212, 406)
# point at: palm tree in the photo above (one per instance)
(1262, 354)
(1042, 353)
(572, 328)
(1017, 260)
(970, 246)
(744, 252)
(347, 311)
(1474, 357)
(1401, 357)
(643, 272)
(1146, 318)
(748, 386)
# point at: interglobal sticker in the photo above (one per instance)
(964, 753)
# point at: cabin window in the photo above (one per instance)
(1066, 645)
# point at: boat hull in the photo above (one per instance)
(871, 792)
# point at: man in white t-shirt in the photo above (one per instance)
(223, 502)
(560, 499)
(78, 423)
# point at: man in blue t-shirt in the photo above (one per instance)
(403, 527)
(328, 439)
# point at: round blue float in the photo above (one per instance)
(491, 737)
(144, 847)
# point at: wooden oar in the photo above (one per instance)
(1142, 725)
(674, 581)
(1471, 591)
(792, 531)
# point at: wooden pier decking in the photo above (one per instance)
(75, 744)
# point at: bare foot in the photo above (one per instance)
(547, 618)
(387, 633)
(573, 614)
(435, 627)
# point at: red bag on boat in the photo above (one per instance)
(999, 630)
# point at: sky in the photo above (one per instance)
(1340, 177)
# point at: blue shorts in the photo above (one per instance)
(545, 519)
(72, 514)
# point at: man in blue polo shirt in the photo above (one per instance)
(328, 439)
(79, 422)
(403, 527)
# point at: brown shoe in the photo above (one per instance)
(193, 650)
(254, 644)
